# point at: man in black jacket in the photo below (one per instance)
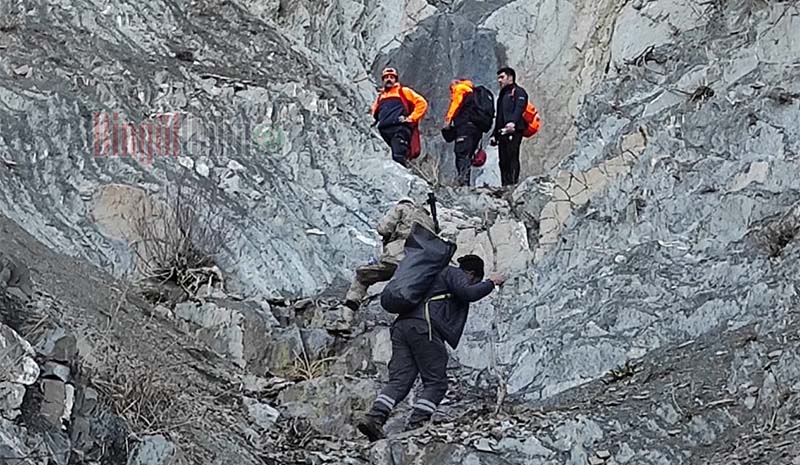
(509, 124)
(418, 343)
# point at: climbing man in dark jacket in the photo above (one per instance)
(418, 344)
(509, 124)
(397, 113)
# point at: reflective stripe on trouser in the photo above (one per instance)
(416, 350)
(386, 401)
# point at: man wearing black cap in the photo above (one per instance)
(418, 345)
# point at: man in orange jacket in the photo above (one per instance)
(467, 135)
(397, 112)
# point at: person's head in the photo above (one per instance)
(407, 200)
(389, 78)
(473, 266)
(506, 76)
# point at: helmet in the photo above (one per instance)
(389, 72)
(406, 200)
(479, 159)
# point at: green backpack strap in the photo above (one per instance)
(428, 311)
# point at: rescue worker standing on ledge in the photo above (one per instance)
(397, 112)
(509, 124)
(467, 135)
(418, 344)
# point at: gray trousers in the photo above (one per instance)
(414, 352)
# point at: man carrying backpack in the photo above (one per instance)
(509, 124)
(469, 116)
(418, 343)
(394, 228)
(397, 113)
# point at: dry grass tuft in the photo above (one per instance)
(178, 243)
(305, 369)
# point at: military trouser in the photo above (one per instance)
(416, 350)
(368, 275)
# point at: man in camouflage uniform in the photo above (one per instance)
(395, 228)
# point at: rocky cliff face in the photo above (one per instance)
(649, 318)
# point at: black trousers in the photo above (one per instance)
(508, 147)
(399, 139)
(467, 139)
(415, 351)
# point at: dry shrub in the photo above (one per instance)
(427, 167)
(306, 369)
(627, 370)
(142, 396)
(775, 235)
(776, 239)
(10, 20)
(178, 242)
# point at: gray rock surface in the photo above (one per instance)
(650, 315)
(329, 403)
(295, 144)
(260, 413)
(238, 330)
(18, 369)
(155, 450)
(12, 443)
(15, 279)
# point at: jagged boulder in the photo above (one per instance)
(15, 278)
(330, 403)
(241, 331)
(18, 369)
(13, 443)
(156, 450)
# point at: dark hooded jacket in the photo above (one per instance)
(447, 316)
(511, 104)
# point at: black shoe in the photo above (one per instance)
(417, 420)
(412, 425)
(372, 430)
(352, 305)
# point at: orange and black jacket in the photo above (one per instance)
(458, 112)
(396, 102)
